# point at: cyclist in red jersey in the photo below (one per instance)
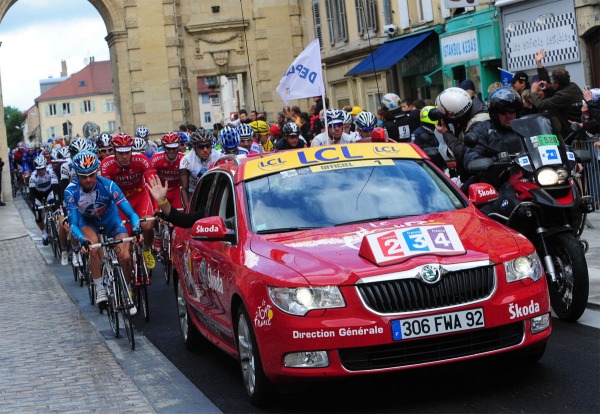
(129, 170)
(166, 165)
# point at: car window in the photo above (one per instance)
(221, 201)
(334, 194)
(202, 193)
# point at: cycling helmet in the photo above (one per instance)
(275, 131)
(104, 140)
(391, 102)
(91, 145)
(139, 144)
(54, 155)
(142, 132)
(504, 100)
(424, 115)
(260, 126)
(379, 135)
(595, 94)
(201, 137)
(290, 129)
(77, 145)
(347, 118)
(245, 131)
(334, 116)
(365, 121)
(64, 153)
(40, 162)
(20, 145)
(230, 139)
(122, 143)
(30, 145)
(170, 140)
(454, 103)
(85, 163)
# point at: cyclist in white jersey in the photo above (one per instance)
(196, 162)
(42, 185)
(335, 133)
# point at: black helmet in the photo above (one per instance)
(504, 100)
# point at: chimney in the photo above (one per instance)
(63, 65)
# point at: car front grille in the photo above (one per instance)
(440, 348)
(409, 295)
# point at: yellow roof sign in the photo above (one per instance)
(308, 157)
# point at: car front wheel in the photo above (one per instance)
(256, 383)
(190, 334)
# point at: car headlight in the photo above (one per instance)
(550, 176)
(524, 267)
(300, 300)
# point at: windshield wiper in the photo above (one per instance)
(372, 219)
(286, 230)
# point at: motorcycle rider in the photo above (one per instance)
(505, 105)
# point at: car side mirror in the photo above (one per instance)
(212, 229)
(481, 193)
(480, 164)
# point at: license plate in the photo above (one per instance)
(437, 324)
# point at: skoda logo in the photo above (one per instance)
(504, 203)
(430, 274)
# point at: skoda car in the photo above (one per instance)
(350, 260)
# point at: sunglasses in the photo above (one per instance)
(107, 150)
(246, 139)
(203, 146)
(507, 112)
(84, 176)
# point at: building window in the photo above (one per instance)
(52, 110)
(317, 22)
(52, 131)
(205, 98)
(214, 99)
(109, 106)
(87, 106)
(366, 14)
(336, 21)
(112, 126)
(374, 102)
(207, 118)
(66, 108)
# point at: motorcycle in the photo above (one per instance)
(542, 199)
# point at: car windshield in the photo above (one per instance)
(342, 193)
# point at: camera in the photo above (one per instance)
(390, 29)
(435, 114)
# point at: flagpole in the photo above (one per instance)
(324, 76)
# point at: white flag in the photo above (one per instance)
(304, 78)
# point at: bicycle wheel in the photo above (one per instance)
(112, 303)
(125, 304)
(55, 239)
(166, 252)
(141, 298)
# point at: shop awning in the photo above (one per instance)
(388, 54)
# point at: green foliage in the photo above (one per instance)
(13, 119)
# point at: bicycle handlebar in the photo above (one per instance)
(141, 220)
(111, 242)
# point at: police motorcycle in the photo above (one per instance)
(543, 200)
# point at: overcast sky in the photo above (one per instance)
(37, 35)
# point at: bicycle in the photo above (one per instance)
(140, 276)
(50, 224)
(164, 230)
(119, 301)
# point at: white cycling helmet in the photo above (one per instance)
(139, 144)
(347, 118)
(391, 102)
(454, 102)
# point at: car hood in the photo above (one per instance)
(344, 254)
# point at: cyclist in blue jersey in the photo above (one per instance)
(93, 202)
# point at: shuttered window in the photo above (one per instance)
(317, 22)
(336, 21)
(366, 14)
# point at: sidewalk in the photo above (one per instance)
(53, 357)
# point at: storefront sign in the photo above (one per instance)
(460, 47)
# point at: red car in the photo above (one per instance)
(349, 260)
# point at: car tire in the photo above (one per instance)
(189, 333)
(255, 381)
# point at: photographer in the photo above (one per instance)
(455, 107)
(561, 98)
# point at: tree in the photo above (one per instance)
(13, 119)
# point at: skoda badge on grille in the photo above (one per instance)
(430, 274)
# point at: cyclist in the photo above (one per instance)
(334, 134)
(230, 142)
(291, 138)
(104, 147)
(196, 162)
(151, 147)
(246, 133)
(94, 202)
(127, 170)
(426, 139)
(365, 124)
(166, 165)
(262, 137)
(347, 125)
(43, 185)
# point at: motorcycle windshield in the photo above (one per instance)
(544, 148)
